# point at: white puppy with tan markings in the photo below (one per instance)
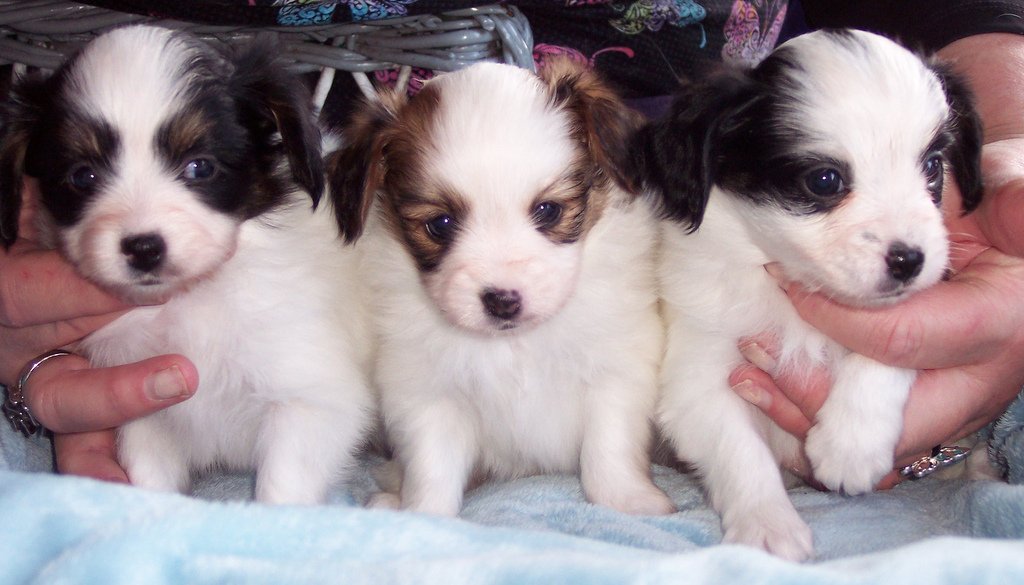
(828, 158)
(182, 177)
(514, 284)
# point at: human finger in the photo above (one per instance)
(65, 395)
(947, 405)
(1001, 216)
(23, 344)
(758, 388)
(960, 321)
(89, 454)
(39, 286)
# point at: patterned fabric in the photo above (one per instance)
(646, 46)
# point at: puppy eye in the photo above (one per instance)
(825, 182)
(546, 214)
(934, 170)
(441, 228)
(83, 178)
(198, 169)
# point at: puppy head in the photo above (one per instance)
(837, 145)
(151, 150)
(491, 177)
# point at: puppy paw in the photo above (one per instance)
(640, 500)
(780, 532)
(274, 491)
(846, 463)
(385, 501)
(147, 473)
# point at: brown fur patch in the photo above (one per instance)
(603, 124)
(580, 209)
(179, 136)
(409, 215)
(413, 196)
(88, 139)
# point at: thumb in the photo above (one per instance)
(66, 395)
(1001, 217)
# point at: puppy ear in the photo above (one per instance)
(965, 123)
(278, 100)
(677, 156)
(606, 122)
(356, 171)
(19, 117)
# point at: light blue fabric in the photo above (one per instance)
(535, 530)
(1006, 441)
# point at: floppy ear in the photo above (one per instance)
(676, 157)
(356, 171)
(278, 100)
(606, 122)
(19, 117)
(965, 154)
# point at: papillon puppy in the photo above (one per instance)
(513, 283)
(183, 178)
(829, 159)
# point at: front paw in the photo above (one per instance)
(384, 501)
(774, 529)
(158, 476)
(641, 499)
(846, 463)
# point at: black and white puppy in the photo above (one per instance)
(513, 281)
(180, 177)
(829, 159)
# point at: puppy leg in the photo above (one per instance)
(152, 456)
(304, 448)
(437, 448)
(615, 468)
(388, 476)
(711, 427)
(852, 444)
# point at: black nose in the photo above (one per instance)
(904, 262)
(145, 253)
(503, 304)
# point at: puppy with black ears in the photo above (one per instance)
(182, 177)
(829, 159)
(513, 281)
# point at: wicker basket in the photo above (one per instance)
(41, 33)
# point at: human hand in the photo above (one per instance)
(45, 305)
(965, 334)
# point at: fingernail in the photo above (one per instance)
(775, 271)
(753, 394)
(756, 355)
(167, 384)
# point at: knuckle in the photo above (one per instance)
(46, 405)
(122, 398)
(11, 314)
(902, 342)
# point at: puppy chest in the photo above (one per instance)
(528, 424)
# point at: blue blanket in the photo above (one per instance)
(535, 530)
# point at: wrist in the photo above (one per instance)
(993, 65)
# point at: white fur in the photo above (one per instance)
(267, 309)
(572, 387)
(878, 114)
(280, 345)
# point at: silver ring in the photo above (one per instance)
(940, 457)
(15, 407)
